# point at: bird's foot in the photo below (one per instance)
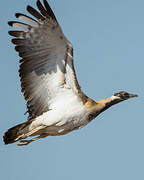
(24, 142)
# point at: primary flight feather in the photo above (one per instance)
(55, 101)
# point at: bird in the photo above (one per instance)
(56, 104)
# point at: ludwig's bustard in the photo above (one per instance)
(55, 102)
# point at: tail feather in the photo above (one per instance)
(13, 133)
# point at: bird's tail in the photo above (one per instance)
(15, 133)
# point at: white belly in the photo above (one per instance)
(63, 117)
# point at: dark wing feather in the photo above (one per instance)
(35, 13)
(20, 15)
(15, 33)
(49, 10)
(42, 9)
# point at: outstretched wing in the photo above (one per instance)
(47, 58)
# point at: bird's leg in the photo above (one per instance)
(26, 142)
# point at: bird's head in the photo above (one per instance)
(124, 95)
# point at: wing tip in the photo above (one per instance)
(17, 15)
(10, 33)
(10, 23)
(28, 7)
(38, 1)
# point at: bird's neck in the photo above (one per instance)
(95, 108)
(105, 103)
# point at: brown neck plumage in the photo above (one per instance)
(95, 108)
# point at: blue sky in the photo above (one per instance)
(108, 40)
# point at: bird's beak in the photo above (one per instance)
(133, 95)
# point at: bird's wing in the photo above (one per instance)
(47, 58)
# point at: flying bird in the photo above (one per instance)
(55, 102)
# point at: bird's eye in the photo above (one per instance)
(122, 94)
(125, 94)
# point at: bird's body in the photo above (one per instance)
(55, 101)
(67, 113)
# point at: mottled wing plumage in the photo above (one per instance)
(47, 58)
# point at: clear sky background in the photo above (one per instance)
(108, 40)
